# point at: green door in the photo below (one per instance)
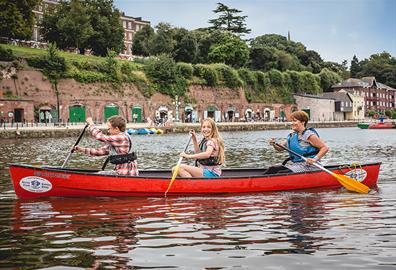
(308, 111)
(77, 114)
(109, 111)
(137, 114)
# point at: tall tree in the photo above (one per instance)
(93, 24)
(355, 67)
(229, 20)
(69, 26)
(54, 67)
(107, 29)
(141, 41)
(17, 18)
(186, 47)
(163, 41)
(382, 66)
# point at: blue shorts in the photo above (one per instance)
(209, 174)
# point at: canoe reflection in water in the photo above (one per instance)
(125, 233)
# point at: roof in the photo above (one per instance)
(312, 96)
(338, 96)
(365, 82)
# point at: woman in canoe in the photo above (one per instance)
(304, 141)
(209, 153)
(119, 145)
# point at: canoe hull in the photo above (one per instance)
(386, 125)
(33, 182)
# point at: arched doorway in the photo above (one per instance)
(161, 115)
(230, 114)
(77, 113)
(110, 110)
(267, 114)
(137, 114)
(249, 114)
(188, 114)
(47, 114)
(19, 115)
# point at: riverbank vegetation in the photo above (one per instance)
(270, 68)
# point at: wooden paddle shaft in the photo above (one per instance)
(304, 158)
(72, 150)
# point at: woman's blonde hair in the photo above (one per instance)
(216, 135)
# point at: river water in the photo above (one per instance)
(308, 229)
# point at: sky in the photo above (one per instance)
(336, 29)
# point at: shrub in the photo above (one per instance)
(88, 76)
(186, 70)
(228, 75)
(6, 54)
(207, 73)
(162, 71)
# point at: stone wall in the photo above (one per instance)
(32, 86)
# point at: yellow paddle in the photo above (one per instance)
(177, 167)
(349, 183)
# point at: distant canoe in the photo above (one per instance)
(382, 125)
(363, 125)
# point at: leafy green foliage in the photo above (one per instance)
(141, 41)
(163, 72)
(382, 66)
(17, 18)
(90, 24)
(6, 54)
(232, 51)
(228, 76)
(228, 19)
(328, 78)
(186, 70)
(208, 73)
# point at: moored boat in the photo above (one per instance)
(33, 181)
(382, 125)
(363, 125)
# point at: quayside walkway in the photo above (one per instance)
(70, 130)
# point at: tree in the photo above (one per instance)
(107, 29)
(355, 67)
(17, 18)
(229, 20)
(382, 66)
(69, 26)
(141, 41)
(327, 79)
(233, 52)
(163, 41)
(54, 67)
(186, 47)
(91, 24)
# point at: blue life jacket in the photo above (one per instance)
(306, 151)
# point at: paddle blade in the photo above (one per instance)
(351, 184)
(173, 177)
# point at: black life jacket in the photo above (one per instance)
(115, 158)
(210, 161)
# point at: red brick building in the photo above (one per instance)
(377, 96)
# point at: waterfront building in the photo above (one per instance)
(377, 96)
(319, 108)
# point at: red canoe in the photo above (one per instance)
(382, 125)
(32, 181)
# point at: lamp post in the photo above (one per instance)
(177, 104)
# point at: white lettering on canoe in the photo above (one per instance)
(358, 174)
(35, 184)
